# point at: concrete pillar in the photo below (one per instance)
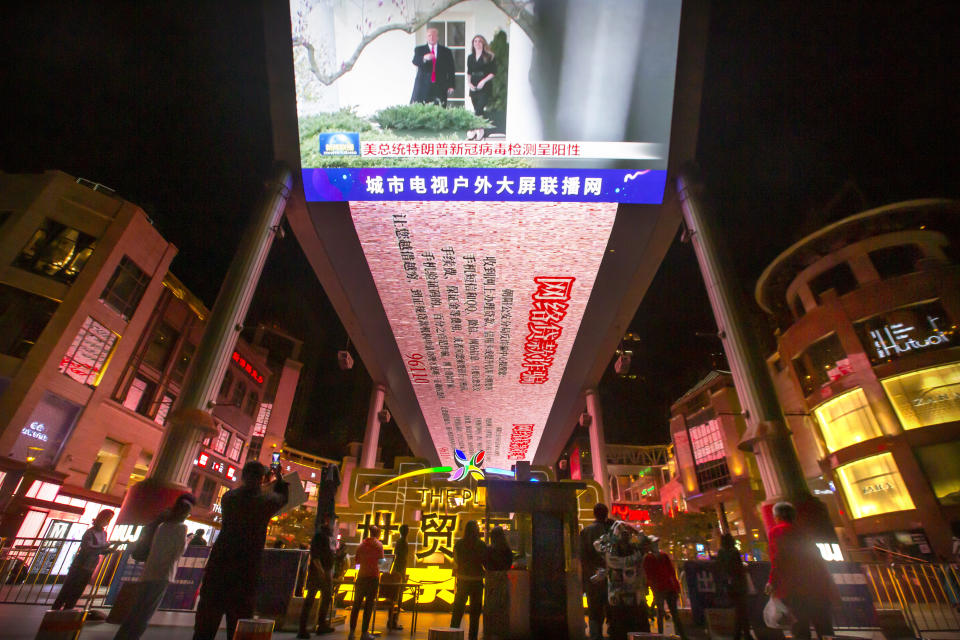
(190, 421)
(766, 434)
(371, 437)
(598, 444)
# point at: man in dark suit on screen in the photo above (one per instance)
(435, 71)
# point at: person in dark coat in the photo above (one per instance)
(733, 581)
(198, 540)
(319, 578)
(93, 544)
(327, 495)
(481, 68)
(468, 555)
(399, 569)
(233, 569)
(435, 71)
(591, 561)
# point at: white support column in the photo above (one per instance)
(598, 444)
(371, 437)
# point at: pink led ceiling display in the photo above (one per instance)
(485, 300)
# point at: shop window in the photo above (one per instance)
(939, 464)
(105, 467)
(56, 251)
(925, 397)
(125, 288)
(207, 489)
(23, 317)
(164, 409)
(220, 444)
(896, 261)
(819, 363)
(141, 467)
(846, 420)
(161, 346)
(873, 486)
(88, 356)
(910, 329)
(235, 448)
(139, 396)
(839, 278)
(183, 362)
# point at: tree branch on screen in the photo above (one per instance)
(520, 11)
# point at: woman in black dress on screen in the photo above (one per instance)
(480, 68)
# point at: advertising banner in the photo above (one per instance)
(484, 99)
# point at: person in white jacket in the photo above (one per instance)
(169, 542)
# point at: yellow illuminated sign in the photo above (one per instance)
(873, 486)
(925, 397)
(846, 420)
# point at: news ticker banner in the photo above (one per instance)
(485, 184)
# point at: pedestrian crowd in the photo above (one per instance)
(619, 563)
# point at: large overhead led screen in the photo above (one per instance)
(485, 300)
(563, 101)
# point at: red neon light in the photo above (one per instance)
(242, 362)
(628, 513)
(203, 460)
(232, 472)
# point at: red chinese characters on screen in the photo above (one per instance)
(520, 437)
(548, 309)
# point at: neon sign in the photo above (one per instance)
(897, 339)
(36, 430)
(465, 469)
(242, 362)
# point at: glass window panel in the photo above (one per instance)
(820, 363)
(57, 251)
(235, 449)
(125, 288)
(925, 397)
(459, 58)
(263, 417)
(88, 356)
(846, 420)
(939, 463)
(101, 473)
(873, 486)
(23, 317)
(164, 409)
(183, 362)
(456, 34)
(44, 432)
(220, 444)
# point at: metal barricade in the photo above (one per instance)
(32, 571)
(928, 594)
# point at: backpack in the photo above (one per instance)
(141, 548)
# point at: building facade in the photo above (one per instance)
(96, 339)
(714, 475)
(867, 369)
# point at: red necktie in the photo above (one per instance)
(433, 73)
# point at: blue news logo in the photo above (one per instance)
(339, 144)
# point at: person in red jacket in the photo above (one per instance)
(798, 575)
(368, 556)
(662, 579)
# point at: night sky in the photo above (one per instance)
(167, 103)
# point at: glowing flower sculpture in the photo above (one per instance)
(466, 468)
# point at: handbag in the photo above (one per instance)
(776, 615)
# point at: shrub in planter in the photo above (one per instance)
(428, 117)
